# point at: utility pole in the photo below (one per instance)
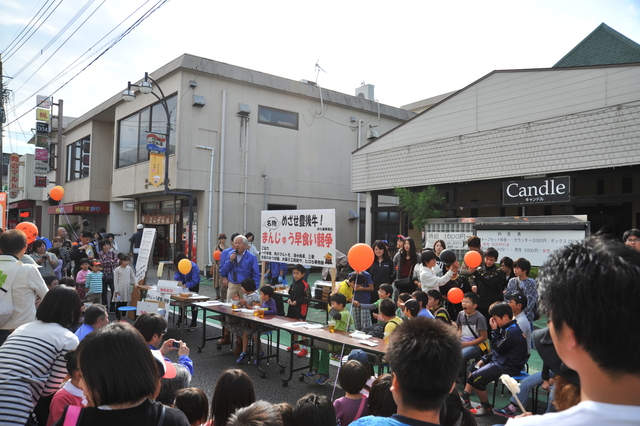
(3, 119)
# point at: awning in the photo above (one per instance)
(24, 204)
(85, 207)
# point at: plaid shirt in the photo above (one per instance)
(109, 261)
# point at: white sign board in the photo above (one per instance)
(146, 250)
(144, 307)
(307, 237)
(43, 101)
(535, 245)
(162, 299)
(453, 240)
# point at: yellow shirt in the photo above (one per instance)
(391, 325)
(345, 289)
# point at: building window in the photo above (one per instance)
(52, 157)
(132, 132)
(278, 117)
(78, 154)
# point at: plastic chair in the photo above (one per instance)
(523, 375)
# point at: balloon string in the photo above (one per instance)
(335, 383)
(64, 213)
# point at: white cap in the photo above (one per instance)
(140, 226)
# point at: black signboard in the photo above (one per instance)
(42, 127)
(536, 191)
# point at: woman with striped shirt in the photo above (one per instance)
(32, 363)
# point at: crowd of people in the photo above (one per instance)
(55, 371)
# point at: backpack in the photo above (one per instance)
(6, 299)
(375, 330)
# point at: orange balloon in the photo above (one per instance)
(455, 295)
(360, 257)
(56, 193)
(29, 229)
(472, 259)
(184, 266)
(216, 255)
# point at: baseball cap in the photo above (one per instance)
(401, 237)
(544, 345)
(222, 236)
(140, 226)
(96, 263)
(518, 297)
(166, 369)
(359, 355)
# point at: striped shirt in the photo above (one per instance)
(31, 365)
(94, 282)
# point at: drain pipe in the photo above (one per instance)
(222, 143)
(358, 196)
(266, 191)
(246, 172)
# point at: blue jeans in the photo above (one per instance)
(526, 385)
(468, 353)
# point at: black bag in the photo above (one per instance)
(406, 285)
(375, 330)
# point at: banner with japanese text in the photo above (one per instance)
(156, 169)
(306, 237)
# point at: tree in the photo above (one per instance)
(420, 206)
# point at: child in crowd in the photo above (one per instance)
(518, 303)
(524, 284)
(385, 291)
(70, 393)
(94, 283)
(380, 400)
(402, 298)
(314, 410)
(194, 404)
(472, 328)
(250, 299)
(362, 294)
(508, 355)
(457, 281)
(422, 298)
(123, 279)
(388, 315)
(299, 297)
(320, 358)
(363, 358)
(489, 282)
(269, 307)
(429, 279)
(436, 300)
(81, 278)
(234, 390)
(411, 309)
(347, 286)
(352, 379)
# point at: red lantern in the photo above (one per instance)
(360, 257)
(29, 229)
(455, 295)
(472, 259)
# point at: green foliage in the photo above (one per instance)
(420, 206)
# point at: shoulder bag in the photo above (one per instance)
(482, 345)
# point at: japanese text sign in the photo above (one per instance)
(306, 237)
(170, 287)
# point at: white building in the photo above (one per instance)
(277, 143)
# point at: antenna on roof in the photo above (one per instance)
(318, 69)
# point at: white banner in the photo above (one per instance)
(146, 250)
(163, 300)
(453, 240)
(535, 245)
(144, 307)
(306, 237)
(169, 287)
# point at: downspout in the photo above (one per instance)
(358, 196)
(246, 172)
(266, 191)
(222, 143)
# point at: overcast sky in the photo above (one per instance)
(410, 50)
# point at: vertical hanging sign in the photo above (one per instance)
(14, 175)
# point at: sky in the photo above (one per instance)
(410, 50)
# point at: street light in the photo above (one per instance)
(146, 87)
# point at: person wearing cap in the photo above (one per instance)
(94, 283)
(590, 291)
(134, 246)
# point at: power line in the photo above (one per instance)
(57, 36)
(157, 6)
(9, 55)
(25, 26)
(60, 47)
(77, 62)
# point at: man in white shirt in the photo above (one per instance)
(590, 292)
(21, 282)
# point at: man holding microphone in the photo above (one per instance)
(241, 264)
